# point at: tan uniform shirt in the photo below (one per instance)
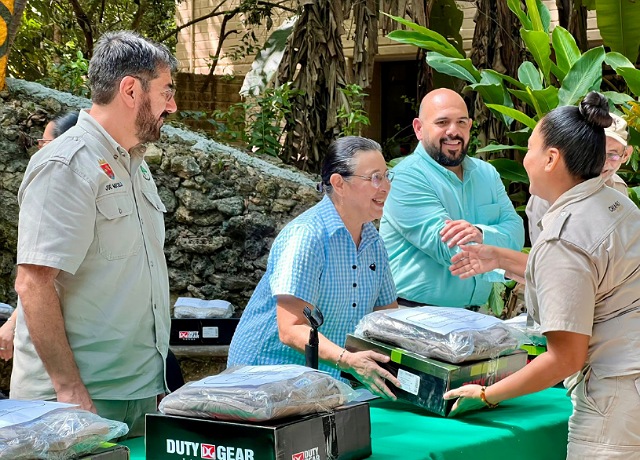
(91, 210)
(537, 207)
(583, 274)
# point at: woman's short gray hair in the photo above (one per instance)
(122, 53)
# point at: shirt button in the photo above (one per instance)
(120, 210)
(151, 263)
(154, 306)
(355, 284)
(115, 157)
(354, 305)
(563, 213)
(354, 266)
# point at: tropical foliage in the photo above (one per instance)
(556, 74)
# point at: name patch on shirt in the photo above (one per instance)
(614, 206)
(113, 186)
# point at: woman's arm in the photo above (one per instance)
(481, 258)
(566, 355)
(293, 330)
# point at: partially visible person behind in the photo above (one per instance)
(93, 290)
(330, 257)
(582, 283)
(57, 126)
(53, 129)
(618, 152)
(442, 198)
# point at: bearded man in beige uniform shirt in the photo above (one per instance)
(618, 152)
(93, 321)
(582, 284)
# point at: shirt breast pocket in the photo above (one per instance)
(117, 226)
(156, 212)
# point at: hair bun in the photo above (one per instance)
(594, 108)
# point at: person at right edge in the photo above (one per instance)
(618, 152)
(582, 283)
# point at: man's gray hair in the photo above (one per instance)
(122, 53)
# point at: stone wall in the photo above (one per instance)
(224, 207)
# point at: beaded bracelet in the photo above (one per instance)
(484, 399)
(344, 350)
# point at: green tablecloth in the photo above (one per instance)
(529, 427)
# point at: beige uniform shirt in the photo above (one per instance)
(91, 210)
(583, 274)
(537, 207)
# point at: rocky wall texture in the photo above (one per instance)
(224, 207)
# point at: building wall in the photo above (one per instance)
(196, 43)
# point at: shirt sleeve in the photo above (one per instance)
(298, 262)
(57, 217)
(565, 286)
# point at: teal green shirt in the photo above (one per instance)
(424, 194)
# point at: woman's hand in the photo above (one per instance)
(364, 366)
(474, 260)
(468, 399)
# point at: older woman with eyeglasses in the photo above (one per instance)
(330, 257)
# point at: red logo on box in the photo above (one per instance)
(208, 451)
(183, 334)
(298, 456)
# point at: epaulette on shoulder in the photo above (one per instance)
(67, 148)
(557, 226)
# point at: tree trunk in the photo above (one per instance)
(11, 16)
(496, 45)
(314, 62)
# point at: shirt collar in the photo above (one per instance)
(333, 223)
(573, 195)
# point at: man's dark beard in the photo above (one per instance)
(436, 152)
(147, 126)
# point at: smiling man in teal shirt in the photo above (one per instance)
(440, 199)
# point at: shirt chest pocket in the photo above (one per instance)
(117, 226)
(156, 213)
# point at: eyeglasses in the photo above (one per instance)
(43, 142)
(168, 93)
(614, 156)
(376, 178)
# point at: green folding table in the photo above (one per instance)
(529, 427)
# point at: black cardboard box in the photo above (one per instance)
(108, 451)
(425, 380)
(344, 434)
(191, 331)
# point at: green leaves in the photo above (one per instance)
(618, 24)
(585, 75)
(565, 48)
(430, 39)
(459, 68)
(511, 170)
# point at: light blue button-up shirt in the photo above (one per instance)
(314, 259)
(423, 196)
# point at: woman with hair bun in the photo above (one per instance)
(330, 257)
(582, 285)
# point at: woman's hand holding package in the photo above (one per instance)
(364, 366)
(469, 399)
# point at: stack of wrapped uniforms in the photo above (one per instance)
(52, 431)
(258, 393)
(453, 335)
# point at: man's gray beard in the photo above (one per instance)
(441, 158)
